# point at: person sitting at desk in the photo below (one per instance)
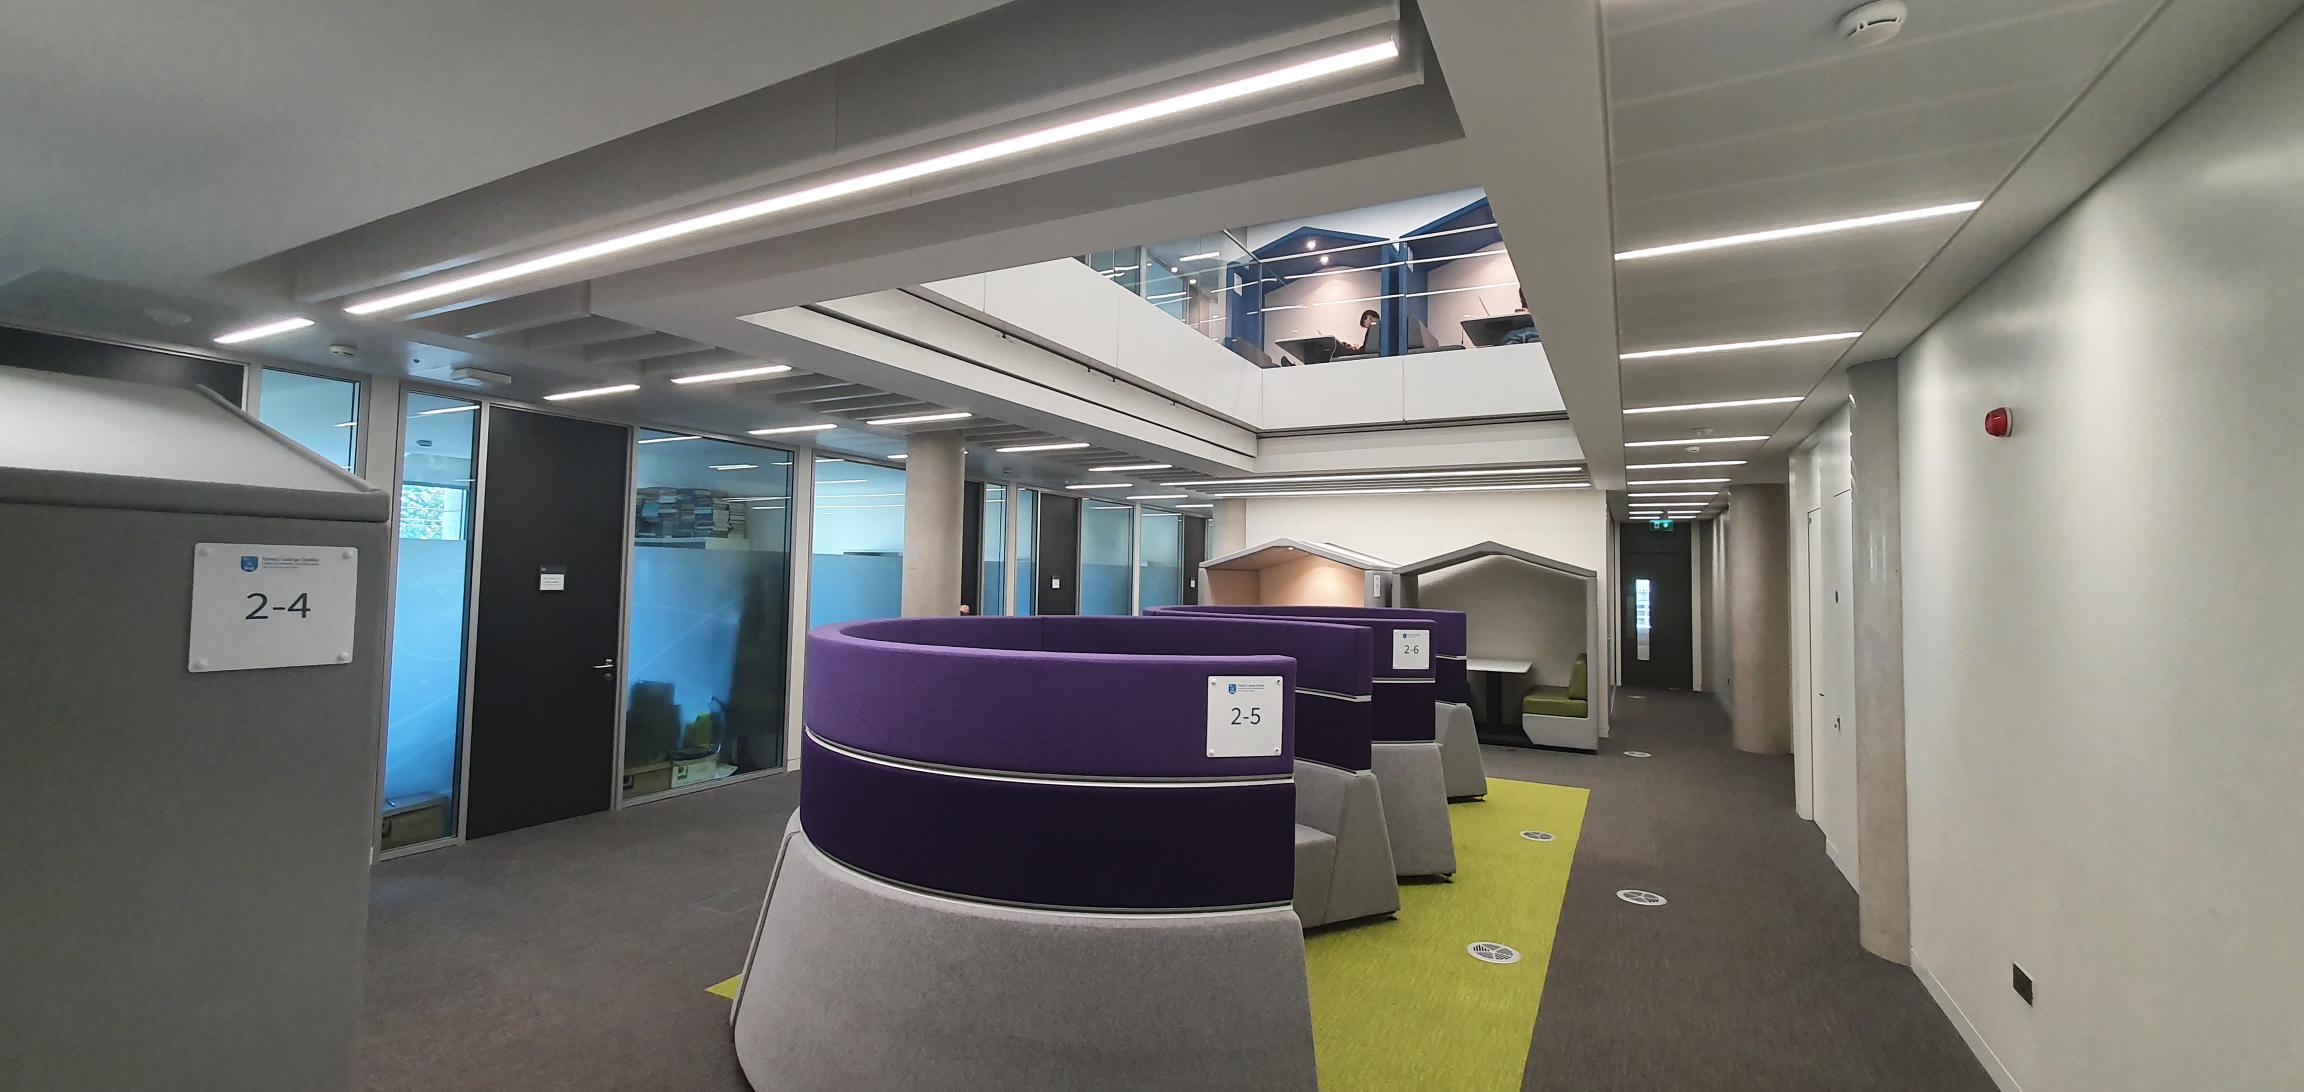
(1367, 336)
(1524, 334)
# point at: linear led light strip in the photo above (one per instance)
(1070, 445)
(1801, 231)
(1130, 467)
(1684, 466)
(782, 430)
(1188, 102)
(1680, 481)
(1716, 405)
(1735, 346)
(262, 329)
(1406, 475)
(1694, 441)
(738, 373)
(1403, 489)
(921, 418)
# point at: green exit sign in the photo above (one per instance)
(1659, 525)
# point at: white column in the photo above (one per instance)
(1883, 845)
(934, 490)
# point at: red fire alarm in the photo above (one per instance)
(1997, 423)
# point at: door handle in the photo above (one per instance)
(604, 666)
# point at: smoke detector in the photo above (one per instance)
(1873, 23)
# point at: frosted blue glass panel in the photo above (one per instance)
(1107, 532)
(1161, 559)
(431, 574)
(856, 567)
(321, 413)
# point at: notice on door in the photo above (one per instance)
(257, 605)
(552, 578)
(1244, 715)
(1412, 650)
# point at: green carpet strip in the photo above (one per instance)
(1400, 1004)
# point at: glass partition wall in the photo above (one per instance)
(1027, 503)
(991, 591)
(1107, 544)
(424, 720)
(320, 413)
(856, 565)
(709, 613)
(1160, 559)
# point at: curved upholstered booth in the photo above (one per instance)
(1022, 859)
(1407, 756)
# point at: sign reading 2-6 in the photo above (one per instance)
(305, 596)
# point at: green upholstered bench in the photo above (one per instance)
(1561, 716)
(1572, 700)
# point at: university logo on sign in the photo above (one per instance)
(248, 563)
(1231, 688)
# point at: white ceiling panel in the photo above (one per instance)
(1925, 177)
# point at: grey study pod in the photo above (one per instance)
(1294, 572)
(190, 704)
(1529, 619)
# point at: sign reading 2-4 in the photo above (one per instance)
(261, 605)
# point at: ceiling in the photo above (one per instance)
(175, 140)
(1724, 117)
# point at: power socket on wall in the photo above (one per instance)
(2022, 982)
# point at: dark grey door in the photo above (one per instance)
(1658, 627)
(1059, 572)
(544, 644)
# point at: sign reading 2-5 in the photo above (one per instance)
(305, 595)
(1244, 715)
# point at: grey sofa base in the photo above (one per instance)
(1460, 762)
(1349, 874)
(1573, 733)
(857, 984)
(1415, 808)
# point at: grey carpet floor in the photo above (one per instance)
(575, 956)
(1751, 976)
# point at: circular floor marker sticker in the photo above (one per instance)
(1488, 951)
(1537, 835)
(1641, 898)
(1635, 754)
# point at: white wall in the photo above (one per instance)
(2101, 634)
(1568, 525)
(1478, 284)
(1818, 470)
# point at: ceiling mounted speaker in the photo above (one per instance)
(1873, 23)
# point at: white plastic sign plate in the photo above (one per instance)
(552, 578)
(1412, 650)
(256, 605)
(1244, 715)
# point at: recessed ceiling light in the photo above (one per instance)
(667, 439)
(1101, 485)
(1311, 243)
(451, 409)
(735, 466)
(262, 329)
(1071, 446)
(1734, 346)
(592, 392)
(1402, 489)
(1401, 475)
(739, 373)
(1802, 230)
(1130, 467)
(781, 430)
(1696, 440)
(1740, 402)
(920, 418)
(1684, 466)
(1195, 506)
(1681, 481)
(1700, 493)
(1159, 496)
(887, 177)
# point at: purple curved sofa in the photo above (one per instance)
(1412, 721)
(997, 812)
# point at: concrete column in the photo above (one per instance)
(1759, 620)
(1228, 528)
(1882, 829)
(934, 485)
